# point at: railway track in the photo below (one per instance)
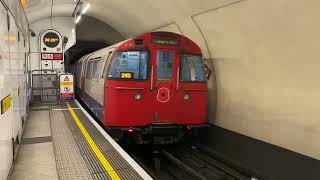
(190, 162)
(184, 161)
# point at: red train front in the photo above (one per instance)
(155, 88)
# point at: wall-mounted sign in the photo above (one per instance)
(66, 87)
(51, 50)
(51, 56)
(51, 39)
(6, 104)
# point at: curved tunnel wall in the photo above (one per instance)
(265, 55)
(266, 58)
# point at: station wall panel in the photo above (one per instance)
(267, 66)
(6, 151)
(13, 53)
(13, 6)
(15, 65)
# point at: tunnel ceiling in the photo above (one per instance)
(41, 9)
(127, 17)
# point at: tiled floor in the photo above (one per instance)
(36, 159)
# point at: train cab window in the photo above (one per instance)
(89, 69)
(192, 69)
(165, 65)
(129, 65)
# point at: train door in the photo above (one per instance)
(165, 63)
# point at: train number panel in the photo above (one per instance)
(126, 75)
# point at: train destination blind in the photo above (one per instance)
(171, 42)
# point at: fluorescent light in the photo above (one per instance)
(85, 8)
(78, 19)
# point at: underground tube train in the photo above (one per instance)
(152, 88)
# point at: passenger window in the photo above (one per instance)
(192, 69)
(165, 65)
(129, 65)
(96, 69)
(89, 70)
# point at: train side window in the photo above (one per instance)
(164, 65)
(96, 69)
(129, 65)
(89, 69)
(192, 69)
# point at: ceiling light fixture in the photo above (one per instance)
(85, 8)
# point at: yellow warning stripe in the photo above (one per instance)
(107, 166)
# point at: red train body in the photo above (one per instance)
(155, 88)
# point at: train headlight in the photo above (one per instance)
(137, 96)
(186, 97)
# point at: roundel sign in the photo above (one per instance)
(163, 95)
(51, 39)
(51, 42)
(51, 48)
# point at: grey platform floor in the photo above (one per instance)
(53, 148)
(36, 158)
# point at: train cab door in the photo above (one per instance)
(165, 65)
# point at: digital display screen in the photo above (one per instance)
(51, 39)
(126, 75)
(169, 42)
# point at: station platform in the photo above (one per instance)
(64, 142)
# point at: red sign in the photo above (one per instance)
(66, 94)
(51, 56)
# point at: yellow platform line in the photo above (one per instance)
(107, 166)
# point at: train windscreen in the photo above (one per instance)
(129, 65)
(192, 69)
